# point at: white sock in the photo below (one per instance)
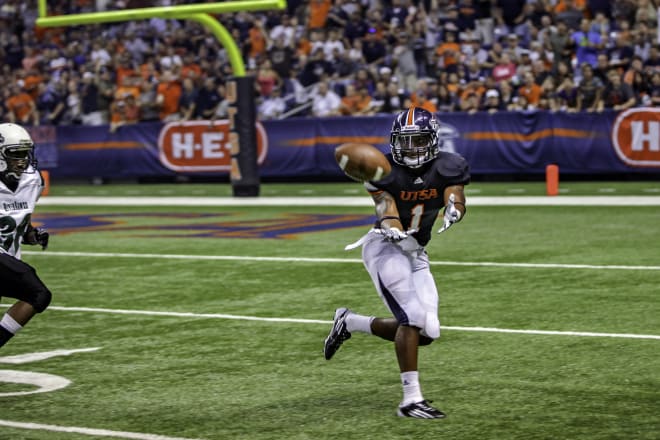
(9, 324)
(412, 392)
(359, 323)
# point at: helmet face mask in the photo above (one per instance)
(16, 152)
(414, 138)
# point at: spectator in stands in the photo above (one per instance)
(654, 89)
(257, 41)
(318, 13)
(333, 45)
(355, 102)
(446, 102)
(222, 109)
(507, 94)
(635, 78)
(286, 31)
(404, 56)
(587, 42)
(89, 100)
(530, 90)
(190, 68)
(325, 101)
(617, 95)
(272, 106)
(147, 102)
(571, 12)
(208, 100)
(652, 63)
(589, 90)
(52, 102)
(267, 79)
(491, 103)
(505, 69)
(124, 111)
(373, 48)
(621, 54)
(602, 67)
(315, 68)
(281, 56)
(21, 107)
(449, 52)
(73, 110)
(188, 99)
(560, 43)
(549, 99)
(106, 92)
(168, 94)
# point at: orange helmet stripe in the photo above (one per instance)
(411, 116)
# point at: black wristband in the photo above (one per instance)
(387, 217)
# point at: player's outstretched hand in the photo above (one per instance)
(42, 237)
(452, 215)
(36, 236)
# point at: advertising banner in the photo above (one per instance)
(299, 148)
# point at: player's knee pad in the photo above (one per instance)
(41, 299)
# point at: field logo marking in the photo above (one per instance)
(220, 225)
(88, 431)
(45, 383)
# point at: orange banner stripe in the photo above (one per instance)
(559, 132)
(104, 145)
(310, 142)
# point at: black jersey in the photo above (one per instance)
(419, 193)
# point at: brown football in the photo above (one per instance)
(362, 162)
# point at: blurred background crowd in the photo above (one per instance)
(332, 57)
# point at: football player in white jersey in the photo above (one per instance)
(424, 181)
(21, 185)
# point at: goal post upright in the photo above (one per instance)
(244, 173)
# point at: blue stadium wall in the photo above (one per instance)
(494, 144)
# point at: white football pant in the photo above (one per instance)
(404, 281)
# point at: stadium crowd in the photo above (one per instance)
(332, 57)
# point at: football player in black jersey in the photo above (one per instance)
(424, 180)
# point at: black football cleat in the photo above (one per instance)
(420, 410)
(338, 334)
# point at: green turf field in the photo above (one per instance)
(208, 323)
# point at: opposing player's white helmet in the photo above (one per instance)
(16, 151)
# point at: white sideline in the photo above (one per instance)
(342, 201)
(88, 431)
(319, 321)
(330, 260)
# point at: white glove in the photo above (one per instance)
(452, 215)
(394, 234)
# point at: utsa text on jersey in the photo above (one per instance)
(422, 194)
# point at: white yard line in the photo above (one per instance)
(331, 260)
(88, 431)
(320, 321)
(342, 201)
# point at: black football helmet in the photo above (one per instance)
(16, 151)
(414, 137)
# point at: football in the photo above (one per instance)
(362, 162)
